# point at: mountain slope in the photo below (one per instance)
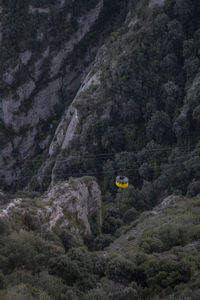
(99, 90)
(153, 256)
(138, 106)
(46, 48)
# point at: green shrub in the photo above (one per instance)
(167, 273)
(130, 215)
(159, 126)
(151, 244)
(68, 240)
(20, 251)
(120, 269)
(65, 268)
(99, 264)
(4, 226)
(69, 295)
(82, 258)
(2, 280)
(125, 293)
(53, 285)
(19, 276)
(102, 241)
(32, 221)
(174, 234)
(193, 188)
(97, 294)
(111, 224)
(22, 291)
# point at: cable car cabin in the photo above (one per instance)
(122, 181)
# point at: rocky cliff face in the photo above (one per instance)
(77, 118)
(29, 107)
(61, 94)
(74, 205)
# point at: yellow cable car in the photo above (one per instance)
(121, 181)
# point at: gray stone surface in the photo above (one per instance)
(74, 205)
(26, 107)
(85, 22)
(153, 3)
(9, 74)
(33, 10)
(25, 56)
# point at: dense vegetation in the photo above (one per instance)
(151, 78)
(156, 255)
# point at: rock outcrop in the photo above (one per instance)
(74, 205)
(30, 105)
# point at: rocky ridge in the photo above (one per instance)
(74, 205)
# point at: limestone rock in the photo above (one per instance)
(8, 76)
(74, 205)
(85, 22)
(33, 10)
(27, 107)
(25, 56)
(153, 3)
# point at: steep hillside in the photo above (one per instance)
(99, 88)
(46, 47)
(43, 250)
(137, 109)
(139, 95)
